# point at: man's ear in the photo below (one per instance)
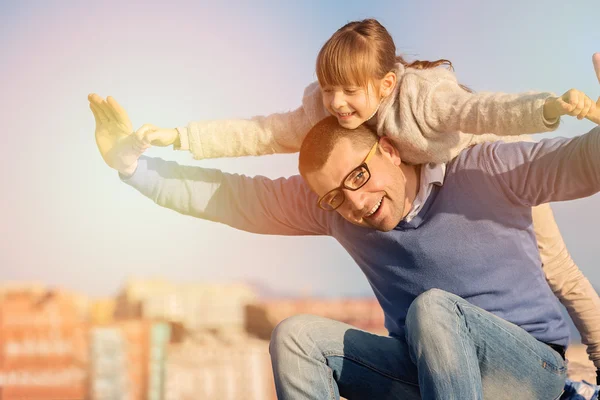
(387, 84)
(389, 150)
(307, 179)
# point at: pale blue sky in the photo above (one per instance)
(68, 220)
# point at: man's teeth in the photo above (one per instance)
(375, 208)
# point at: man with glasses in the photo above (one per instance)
(353, 181)
(448, 249)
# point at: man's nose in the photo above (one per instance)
(356, 201)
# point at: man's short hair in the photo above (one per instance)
(320, 140)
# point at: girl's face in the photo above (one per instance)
(351, 105)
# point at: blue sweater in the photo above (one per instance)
(473, 237)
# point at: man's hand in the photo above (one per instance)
(574, 103)
(119, 146)
(596, 61)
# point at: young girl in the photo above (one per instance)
(430, 117)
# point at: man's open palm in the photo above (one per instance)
(119, 146)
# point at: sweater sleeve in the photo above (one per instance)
(550, 170)
(441, 105)
(566, 280)
(276, 133)
(258, 205)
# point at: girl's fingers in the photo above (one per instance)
(145, 133)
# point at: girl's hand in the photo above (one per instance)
(161, 137)
(575, 103)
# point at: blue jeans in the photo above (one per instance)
(452, 350)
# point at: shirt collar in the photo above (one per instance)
(431, 174)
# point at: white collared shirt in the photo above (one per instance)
(431, 174)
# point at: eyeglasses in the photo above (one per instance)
(356, 179)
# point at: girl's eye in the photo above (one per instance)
(351, 91)
(326, 90)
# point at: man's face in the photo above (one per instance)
(381, 203)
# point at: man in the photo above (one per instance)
(448, 249)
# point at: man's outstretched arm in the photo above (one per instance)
(551, 170)
(261, 205)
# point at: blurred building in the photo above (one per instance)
(223, 368)
(128, 360)
(10, 288)
(362, 313)
(102, 311)
(43, 353)
(197, 306)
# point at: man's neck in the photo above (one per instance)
(412, 174)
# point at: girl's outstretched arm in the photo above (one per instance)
(440, 105)
(275, 133)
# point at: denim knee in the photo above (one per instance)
(289, 334)
(427, 311)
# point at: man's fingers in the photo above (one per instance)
(103, 107)
(594, 115)
(108, 110)
(98, 112)
(95, 113)
(116, 108)
(593, 108)
(586, 108)
(94, 98)
(596, 61)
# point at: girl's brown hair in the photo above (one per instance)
(362, 51)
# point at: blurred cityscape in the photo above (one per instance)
(154, 340)
(159, 340)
